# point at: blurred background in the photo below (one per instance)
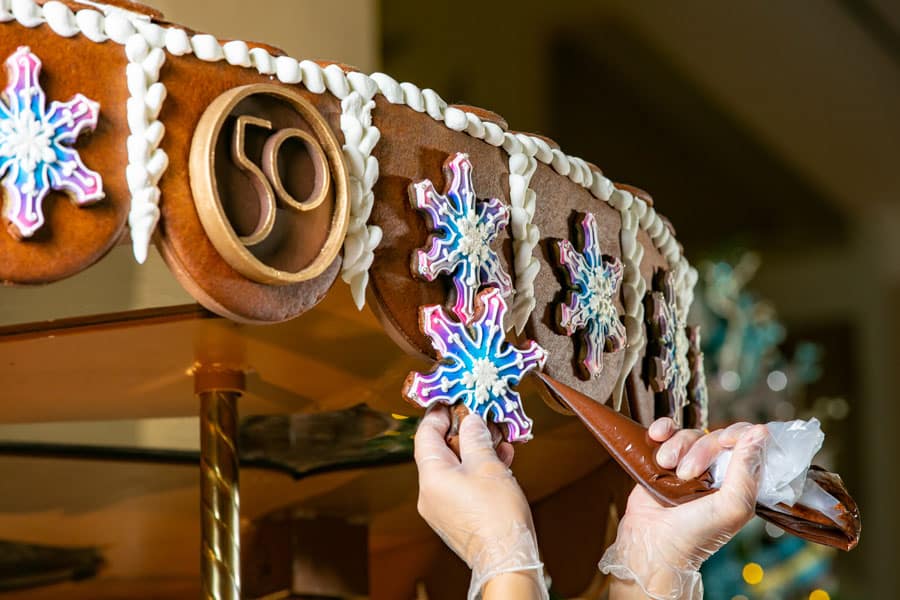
(768, 133)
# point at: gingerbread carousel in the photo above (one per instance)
(356, 249)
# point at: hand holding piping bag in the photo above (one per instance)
(658, 550)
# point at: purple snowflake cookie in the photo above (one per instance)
(476, 365)
(463, 229)
(35, 152)
(668, 367)
(591, 304)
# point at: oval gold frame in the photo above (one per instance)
(206, 192)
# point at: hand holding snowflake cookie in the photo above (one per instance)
(475, 505)
(472, 500)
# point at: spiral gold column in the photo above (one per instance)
(220, 561)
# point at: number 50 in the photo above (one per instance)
(268, 182)
(273, 109)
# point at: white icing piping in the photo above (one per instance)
(143, 42)
(525, 233)
(360, 137)
(633, 287)
(146, 160)
(119, 25)
(684, 276)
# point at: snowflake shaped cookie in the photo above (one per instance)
(591, 304)
(668, 368)
(463, 231)
(476, 366)
(35, 152)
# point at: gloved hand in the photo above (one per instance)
(658, 550)
(474, 503)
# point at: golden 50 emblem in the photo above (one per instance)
(270, 184)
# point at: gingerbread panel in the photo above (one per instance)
(414, 148)
(641, 398)
(184, 242)
(561, 207)
(84, 211)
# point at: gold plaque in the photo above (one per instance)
(270, 184)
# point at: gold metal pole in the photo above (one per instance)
(220, 561)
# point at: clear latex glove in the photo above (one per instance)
(474, 503)
(660, 549)
(790, 450)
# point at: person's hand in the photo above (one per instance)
(474, 503)
(658, 550)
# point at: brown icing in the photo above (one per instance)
(630, 445)
(812, 525)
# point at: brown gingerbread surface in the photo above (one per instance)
(414, 147)
(641, 398)
(193, 85)
(72, 237)
(561, 205)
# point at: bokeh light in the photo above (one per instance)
(777, 381)
(753, 573)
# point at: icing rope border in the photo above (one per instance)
(359, 246)
(146, 160)
(525, 234)
(119, 25)
(633, 288)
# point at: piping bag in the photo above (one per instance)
(824, 513)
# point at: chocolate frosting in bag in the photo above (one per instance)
(630, 445)
(811, 524)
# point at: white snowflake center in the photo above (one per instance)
(600, 294)
(475, 239)
(484, 378)
(28, 140)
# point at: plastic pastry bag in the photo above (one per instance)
(789, 453)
